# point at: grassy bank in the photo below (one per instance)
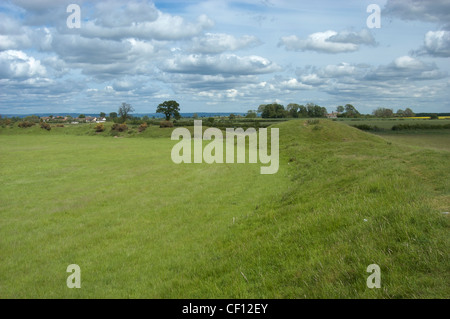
(140, 226)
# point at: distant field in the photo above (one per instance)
(140, 226)
(428, 138)
(387, 124)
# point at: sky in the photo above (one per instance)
(223, 56)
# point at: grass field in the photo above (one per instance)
(140, 226)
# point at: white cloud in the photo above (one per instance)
(437, 43)
(220, 42)
(18, 65)
(425, 10)
(164, 27)
(220, 64)
(328, 42)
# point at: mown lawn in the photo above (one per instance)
(140, 226)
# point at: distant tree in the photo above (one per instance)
(293, 110)
(124, 110)
(102, 114)
(251, 114)
(169, 109)
(32, 118)
(232, 116)
(351, 111)
(195, 116)
(383, 112)
(113, 115)
(81, 116)
(400, 113)
(340, 109)
(261, 108)
(434, 116)
(408, 112)
(273, 110)
(302, 111)
(314, 110)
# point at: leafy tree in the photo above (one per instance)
(314, 110)
(302, 111)
(383, 112)
(232, 116)
(351, 111)
(408, 112)
(32, 118)
(273, 110)
(400, 113)
(124, 110)
(102, 114)
(113, 115)
(251, 114)
(261, 108)
(293, 110)
(340, 109)
(169, 108)
(81, 116)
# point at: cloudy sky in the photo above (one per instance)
(223, 56)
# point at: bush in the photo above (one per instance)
(163, 124)
(119, 127)
(25, 124)
(142, 127)
(99, 127)
(419, 126)
(46, 126)
(312, 122)
(365, 127)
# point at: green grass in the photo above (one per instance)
(387, 124)
(140, 226)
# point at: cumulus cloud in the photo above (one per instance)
(213, 43)
(220, 64)
(18, 65)
(432, 11)
(142, 21)
(436, 43)
(13, 36)
(406, 68)
(329, 41)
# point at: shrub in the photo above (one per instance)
(419, 126)
(99, 127)
(25, 124)
(142, 127)
(312, 122)
(46, 126)
(365, 127)
(119, 127)
(163, 124)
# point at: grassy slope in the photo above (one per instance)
(140, 226)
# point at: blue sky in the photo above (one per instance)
(223, 56)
